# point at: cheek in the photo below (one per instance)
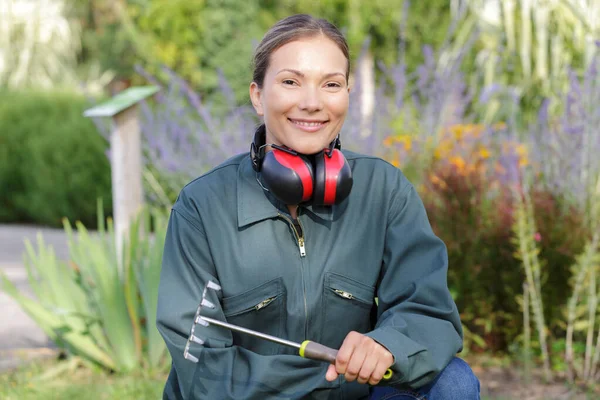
(278, 102)
(339, 106)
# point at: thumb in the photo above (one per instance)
(331, 374)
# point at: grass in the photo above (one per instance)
(74, 379)
(52, 379)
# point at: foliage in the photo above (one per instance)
(567, 144)
(39, 47)
(393, 26)
(52, 160)
(199, 39)
(184, 136)
(464, 175)
(96, 305)
(528, 46)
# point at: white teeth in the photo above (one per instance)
(308, 123)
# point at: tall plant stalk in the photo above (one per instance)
(526, 333)
(584, 264)
(527, 252)
(592, 307)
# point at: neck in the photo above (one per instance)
(293, 211)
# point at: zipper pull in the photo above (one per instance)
(264, 303)
(301, 246)
(345, 295)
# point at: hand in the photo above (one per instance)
(360, 358)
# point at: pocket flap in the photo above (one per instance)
(250, 298)
(359, 290)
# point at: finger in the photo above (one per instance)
(345, 352)
(385, 361)
(357, 360)
(377, 374)
(331, 374)
(368, 367)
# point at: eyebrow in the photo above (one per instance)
(300, 74)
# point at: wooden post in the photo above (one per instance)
(126, 157)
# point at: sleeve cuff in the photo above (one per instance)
(401, 347)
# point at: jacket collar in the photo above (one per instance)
(256, 204)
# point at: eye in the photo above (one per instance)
(288, 82)
(333, 85)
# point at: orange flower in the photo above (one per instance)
(458, 162)
(437, 181)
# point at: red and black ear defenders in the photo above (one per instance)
(295, 178)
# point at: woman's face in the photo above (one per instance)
(304, 98)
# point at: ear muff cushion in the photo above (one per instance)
(319, 195)
(333, 178)
(288, 176)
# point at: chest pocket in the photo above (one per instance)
(259, 309)
(346, 307)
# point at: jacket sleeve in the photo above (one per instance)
(418, 321)
(224, 371)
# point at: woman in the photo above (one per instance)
(302, 237)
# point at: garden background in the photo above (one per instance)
(490, 107)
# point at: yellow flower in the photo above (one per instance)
(521, 150)
(458, 162)
(443, 150)
(457, 131)
(406, 141)
(483, 153)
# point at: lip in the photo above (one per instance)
(308, 125)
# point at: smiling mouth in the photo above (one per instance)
(308, 125)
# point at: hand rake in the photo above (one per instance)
(307, 349)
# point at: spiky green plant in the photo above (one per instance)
(94, 306)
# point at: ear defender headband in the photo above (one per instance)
(293, 178)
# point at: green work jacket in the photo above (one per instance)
(316, 279)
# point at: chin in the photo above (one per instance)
(308, 150)
(311, 148)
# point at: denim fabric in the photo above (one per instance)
(456, 382)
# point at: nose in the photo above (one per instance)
(311, 100)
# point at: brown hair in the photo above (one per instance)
(290, 29)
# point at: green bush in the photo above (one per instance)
(100, 305)
(53, 161)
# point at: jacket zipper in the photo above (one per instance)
(256, 307)
(299, 233)
(264, 303)
(343, 294)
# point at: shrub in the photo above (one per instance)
(98, 306)
(53, 162)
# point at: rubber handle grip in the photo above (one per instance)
(317, 351)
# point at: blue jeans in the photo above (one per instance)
(455, 382)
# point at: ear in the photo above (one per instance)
(255, 97)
